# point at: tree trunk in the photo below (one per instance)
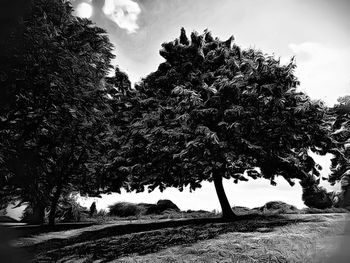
(346, 198)
(38, 215)
(54, 203)
(227, 212)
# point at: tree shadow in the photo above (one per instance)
(143, 238)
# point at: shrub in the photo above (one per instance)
(102, 213)
(279, 207)
(69, 210)
(166, 204)
(241, 210)
(124, 209)
(29, 216)
(317, 197)
(161, 206)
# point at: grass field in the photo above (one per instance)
(289, 238)
(318, 239)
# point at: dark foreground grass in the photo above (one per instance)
(139, 239)
(324, 240)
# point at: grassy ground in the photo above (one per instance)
(103, 218)
(292, 238)
(317, 239)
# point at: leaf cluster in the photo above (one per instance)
(341, 135)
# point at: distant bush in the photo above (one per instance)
(124, 209)
(69, 210)
(241, 210)
(101, 217)
(30, 217)
(166, 204)
(317, 197)
(102, 213)
(279, 207)
(161, 206)
(151, 211)
(27, 214)
(273, 207)
(148, 209)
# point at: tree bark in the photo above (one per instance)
(227, 212)
(38, 216)
(345, 203)
(54, 203)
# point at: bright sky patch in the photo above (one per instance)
(124, 13)
(84, 10)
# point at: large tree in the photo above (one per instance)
(341, 160)
(54, 112)
(214, 111)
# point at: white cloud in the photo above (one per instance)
(124, 13)
(324, 72)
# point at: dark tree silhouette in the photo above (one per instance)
(92, 209)
(341, 160)
(53, 115)
(314, 195)
(214, 111)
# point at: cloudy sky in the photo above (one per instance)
(315, 31)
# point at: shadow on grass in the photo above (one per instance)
(143, 238)
(30, 230)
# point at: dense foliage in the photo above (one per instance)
(125, 209)
(341, 160)
(315, 196)
(54, 114)
(213, 111)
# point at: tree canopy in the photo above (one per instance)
(341, 161)
(54, 118)
(213, 110)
